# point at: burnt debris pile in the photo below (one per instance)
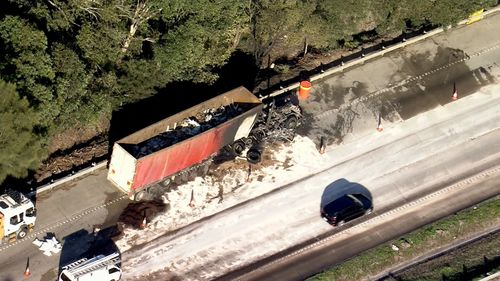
(187, 128)
(134, 214)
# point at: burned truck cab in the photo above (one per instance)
(278, 121)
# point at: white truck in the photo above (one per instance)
(99, 268)
(17, 216)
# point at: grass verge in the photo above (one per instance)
(445, 231)
(469, 262)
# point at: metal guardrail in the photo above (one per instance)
(365, 57)
(495, 276)
(436, 254)
(76, 175)
(336, 69)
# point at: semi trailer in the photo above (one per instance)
(180, 147)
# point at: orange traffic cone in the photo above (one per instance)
(322, 145)
(191, 202)
(455, 92)
(144, 222)
(379, 126)
(27, 271)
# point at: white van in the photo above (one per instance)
(99, 268)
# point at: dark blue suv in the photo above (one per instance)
(346, 208)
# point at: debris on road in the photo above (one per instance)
(189, 127)
(230, 183)
(48, 246)
(135, 213)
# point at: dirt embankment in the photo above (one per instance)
(73, 159)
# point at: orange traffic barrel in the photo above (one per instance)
(304, 90)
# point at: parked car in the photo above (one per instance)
(346, 208)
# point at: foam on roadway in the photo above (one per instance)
(407, 160)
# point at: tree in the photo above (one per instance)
(22, 145)
(77, 104)
(196, 37)
(272, 22)
(27, 64)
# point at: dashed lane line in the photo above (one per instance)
(459, 185)
(63, 222)
(404, 82)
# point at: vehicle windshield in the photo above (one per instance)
(31, 212)
(365, 202)
(354, 197)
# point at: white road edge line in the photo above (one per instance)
(456, 186)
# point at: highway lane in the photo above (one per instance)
(408, 165)
(403, 84)
(72, 209)
(299, 266)
(400, 86)
(69, 211)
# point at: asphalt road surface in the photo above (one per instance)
(403, 169)
(298, 265)
(428, 142)
(345, 108)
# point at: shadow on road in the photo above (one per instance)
(332, 191)
(85, 244)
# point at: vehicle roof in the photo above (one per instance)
(85, 266)
(339, 204)
(8, 204)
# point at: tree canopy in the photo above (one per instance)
(21, 142)
(72, 62)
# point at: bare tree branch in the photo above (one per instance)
(142, 12)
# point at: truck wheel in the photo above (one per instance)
(166, 183)
(203, 170)
(22, 233)
(253, 156)
(258, 134)
(238, 147)
(291, 122)
(140, 196)
(185, 176)
(192, 174)
(178, 179)
(248, 142)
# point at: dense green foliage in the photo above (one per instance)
(21, 142)
(73, 62)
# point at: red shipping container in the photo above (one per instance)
(132, 174)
